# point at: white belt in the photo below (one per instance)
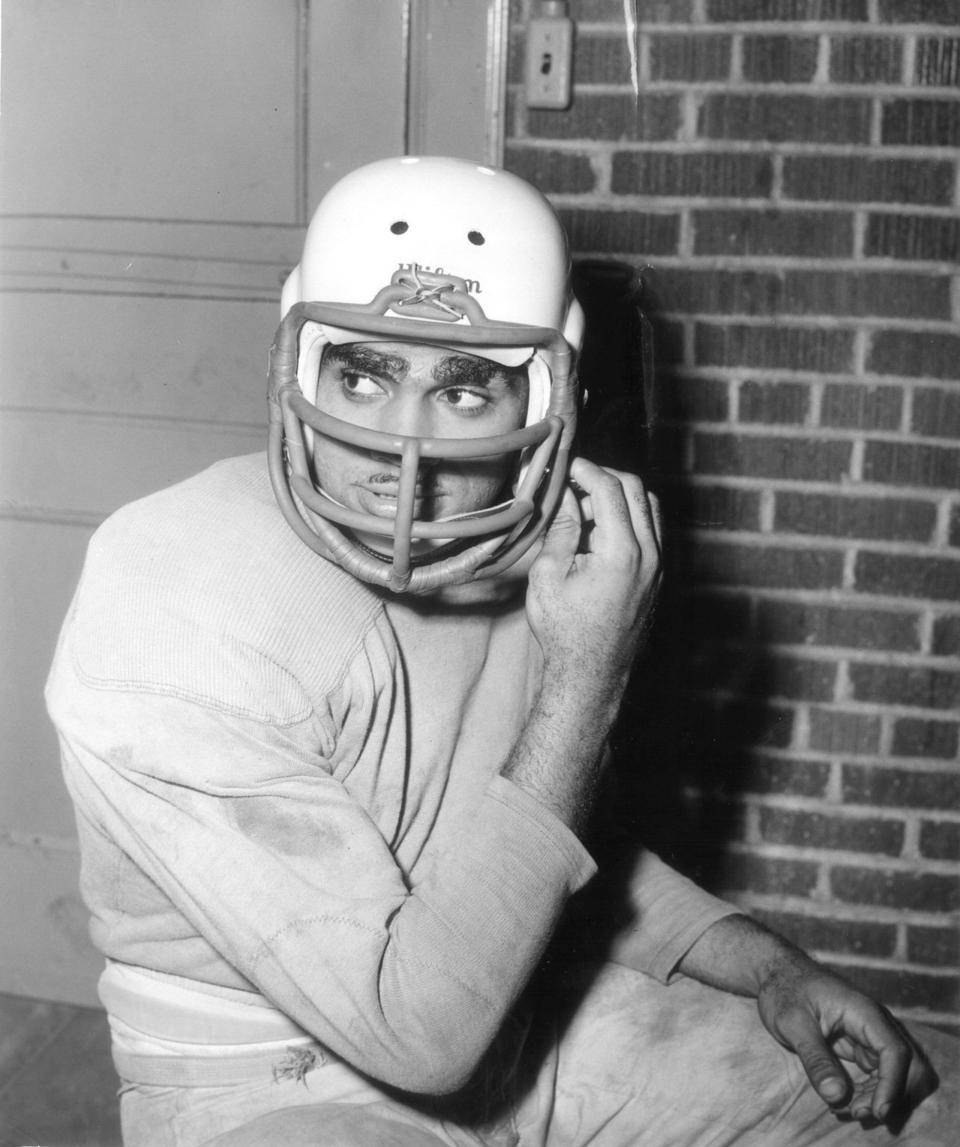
(157, 1013)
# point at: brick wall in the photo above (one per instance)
(788, 180)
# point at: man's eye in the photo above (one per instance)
(361, 386)
(462, 399)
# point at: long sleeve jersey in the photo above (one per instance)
(287, 784)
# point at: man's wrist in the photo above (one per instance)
(738, 954)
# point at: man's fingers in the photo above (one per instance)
(623, 512)
(891, 1079)
(608, 506)
(903, 1070)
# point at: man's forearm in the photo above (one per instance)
(590, 594)
(739, 955)
(558, 756)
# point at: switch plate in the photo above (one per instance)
(549, 63)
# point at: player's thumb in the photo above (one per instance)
(799, 1029)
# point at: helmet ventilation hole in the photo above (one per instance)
(399, 227)
(476, 238)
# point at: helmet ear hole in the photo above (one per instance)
(476, 238)
(401, 227)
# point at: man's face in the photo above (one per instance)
(423, 391)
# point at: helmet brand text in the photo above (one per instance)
(472, 286)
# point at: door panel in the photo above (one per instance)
(179, 110)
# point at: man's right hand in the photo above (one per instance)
(590, 596)
(593, 586)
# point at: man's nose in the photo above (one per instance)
(408, 417)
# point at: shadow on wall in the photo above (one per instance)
(693, 714)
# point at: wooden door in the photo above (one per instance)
(160, 161)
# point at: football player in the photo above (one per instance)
(334, 723)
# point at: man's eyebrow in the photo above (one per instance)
(365, 359)
(462, 370)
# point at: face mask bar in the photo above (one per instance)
(505, 533)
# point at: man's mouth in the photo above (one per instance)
(380, 498)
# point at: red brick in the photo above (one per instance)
(751, 456)
(712, 507)
(913, 737)
(946, 636)
(695, 400)
(551, 171)
(821, 934)
(940, 840)
(600, 60)
(809, 234)
(784, 10)
(919, 465)
(746, 673)
(922, 123)
(920, 891)
(781, 118)
(934, 238)
(780, 403)
(861, 407)
(787, 778)
(654, 11)
(937, 62)
(931, 945)
(920, 11)
(797, 623)
(861, 179)
(905, 989)
(770, 874)
(901, 575)
(779, 59)
(689, 56)
(836, 731)
(814, 830)
(637, 232)
(892, 519)
(797, 678)
(596, 116)
(912, 464)
(866, 60)
(735, 175)
(789, 348)
(915, 686)
(771, 567)
(698, 291)
(924, 296)
(900, 788)
(936, 413)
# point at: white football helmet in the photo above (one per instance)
(447, 253)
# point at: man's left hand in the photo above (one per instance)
(825, 1021)
(820, 1017)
